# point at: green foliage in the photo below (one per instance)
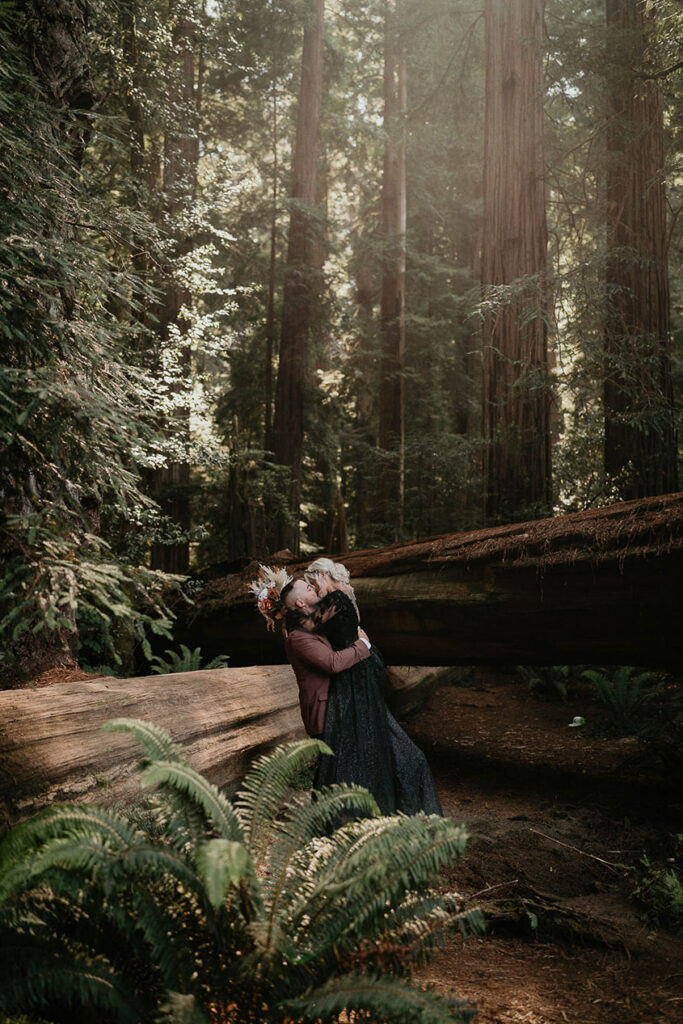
(60, 579)
(661, 731)
(546, 680)
(74, 412)
(186, 661)
(627, 692)
(660, 891)
(255, 910)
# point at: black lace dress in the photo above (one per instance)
(371, 749)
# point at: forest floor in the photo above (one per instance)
(559, 819)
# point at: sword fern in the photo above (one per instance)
(201, 910)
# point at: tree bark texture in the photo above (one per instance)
(52, 746)
(58, 47)
(640, 442)
(302, 272)
(272, 266)
(391, 433)
(599, 587)
(516, 397)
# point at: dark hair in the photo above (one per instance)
(294, 619)
(285, 591)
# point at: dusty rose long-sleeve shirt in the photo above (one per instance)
(314, 660)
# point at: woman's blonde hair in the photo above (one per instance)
(337, 572)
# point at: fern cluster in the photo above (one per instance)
(626, 692)
(185, 661)
(197, 909)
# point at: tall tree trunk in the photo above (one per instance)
(302, 274)
(364, 436)
(270, 313)
(144, 167)
(640, 444)
(392, 301)
(516, 409)
(181, 157)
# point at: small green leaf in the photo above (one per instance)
(221, 863)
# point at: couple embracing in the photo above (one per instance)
(341, 688)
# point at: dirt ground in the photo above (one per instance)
(558, 819)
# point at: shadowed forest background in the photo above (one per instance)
(314, 276)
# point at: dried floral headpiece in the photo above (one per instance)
(267, 589)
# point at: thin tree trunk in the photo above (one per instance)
(516, 392)
(270, 313)
(302, 275)
(392, 302)
(640, 444)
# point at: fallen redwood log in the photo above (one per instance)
(52, 746)
(601, 587)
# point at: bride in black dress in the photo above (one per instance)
(371, 749)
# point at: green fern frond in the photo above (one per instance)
(171, 900)
(287, 864)
(115, 869)
(82, 854)
(156, 742)
(200, 791)
(307, 818)
(59, 822)
(389, 998)
(158, 923)
(181, 1009)
(186, 661)
(222, 864)
(44, 986)
(373, 863)
(267, 782)
(422, 920)
(220, 662)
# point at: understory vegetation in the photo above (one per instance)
(165, 285)
(190, 909)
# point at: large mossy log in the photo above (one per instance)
(52, 746)
(602, 586)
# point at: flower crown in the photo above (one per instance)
(267, 590)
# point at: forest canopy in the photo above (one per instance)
(318, 276)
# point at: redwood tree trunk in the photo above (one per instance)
(516, 395)
(272, 264)
(392, 301)
(640, 444)
(302, 273)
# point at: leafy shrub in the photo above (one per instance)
(185, 661)
(196, 909)
(661, 731)
(76, 419)
(626, 693)
(660, 890)
(547, 680)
